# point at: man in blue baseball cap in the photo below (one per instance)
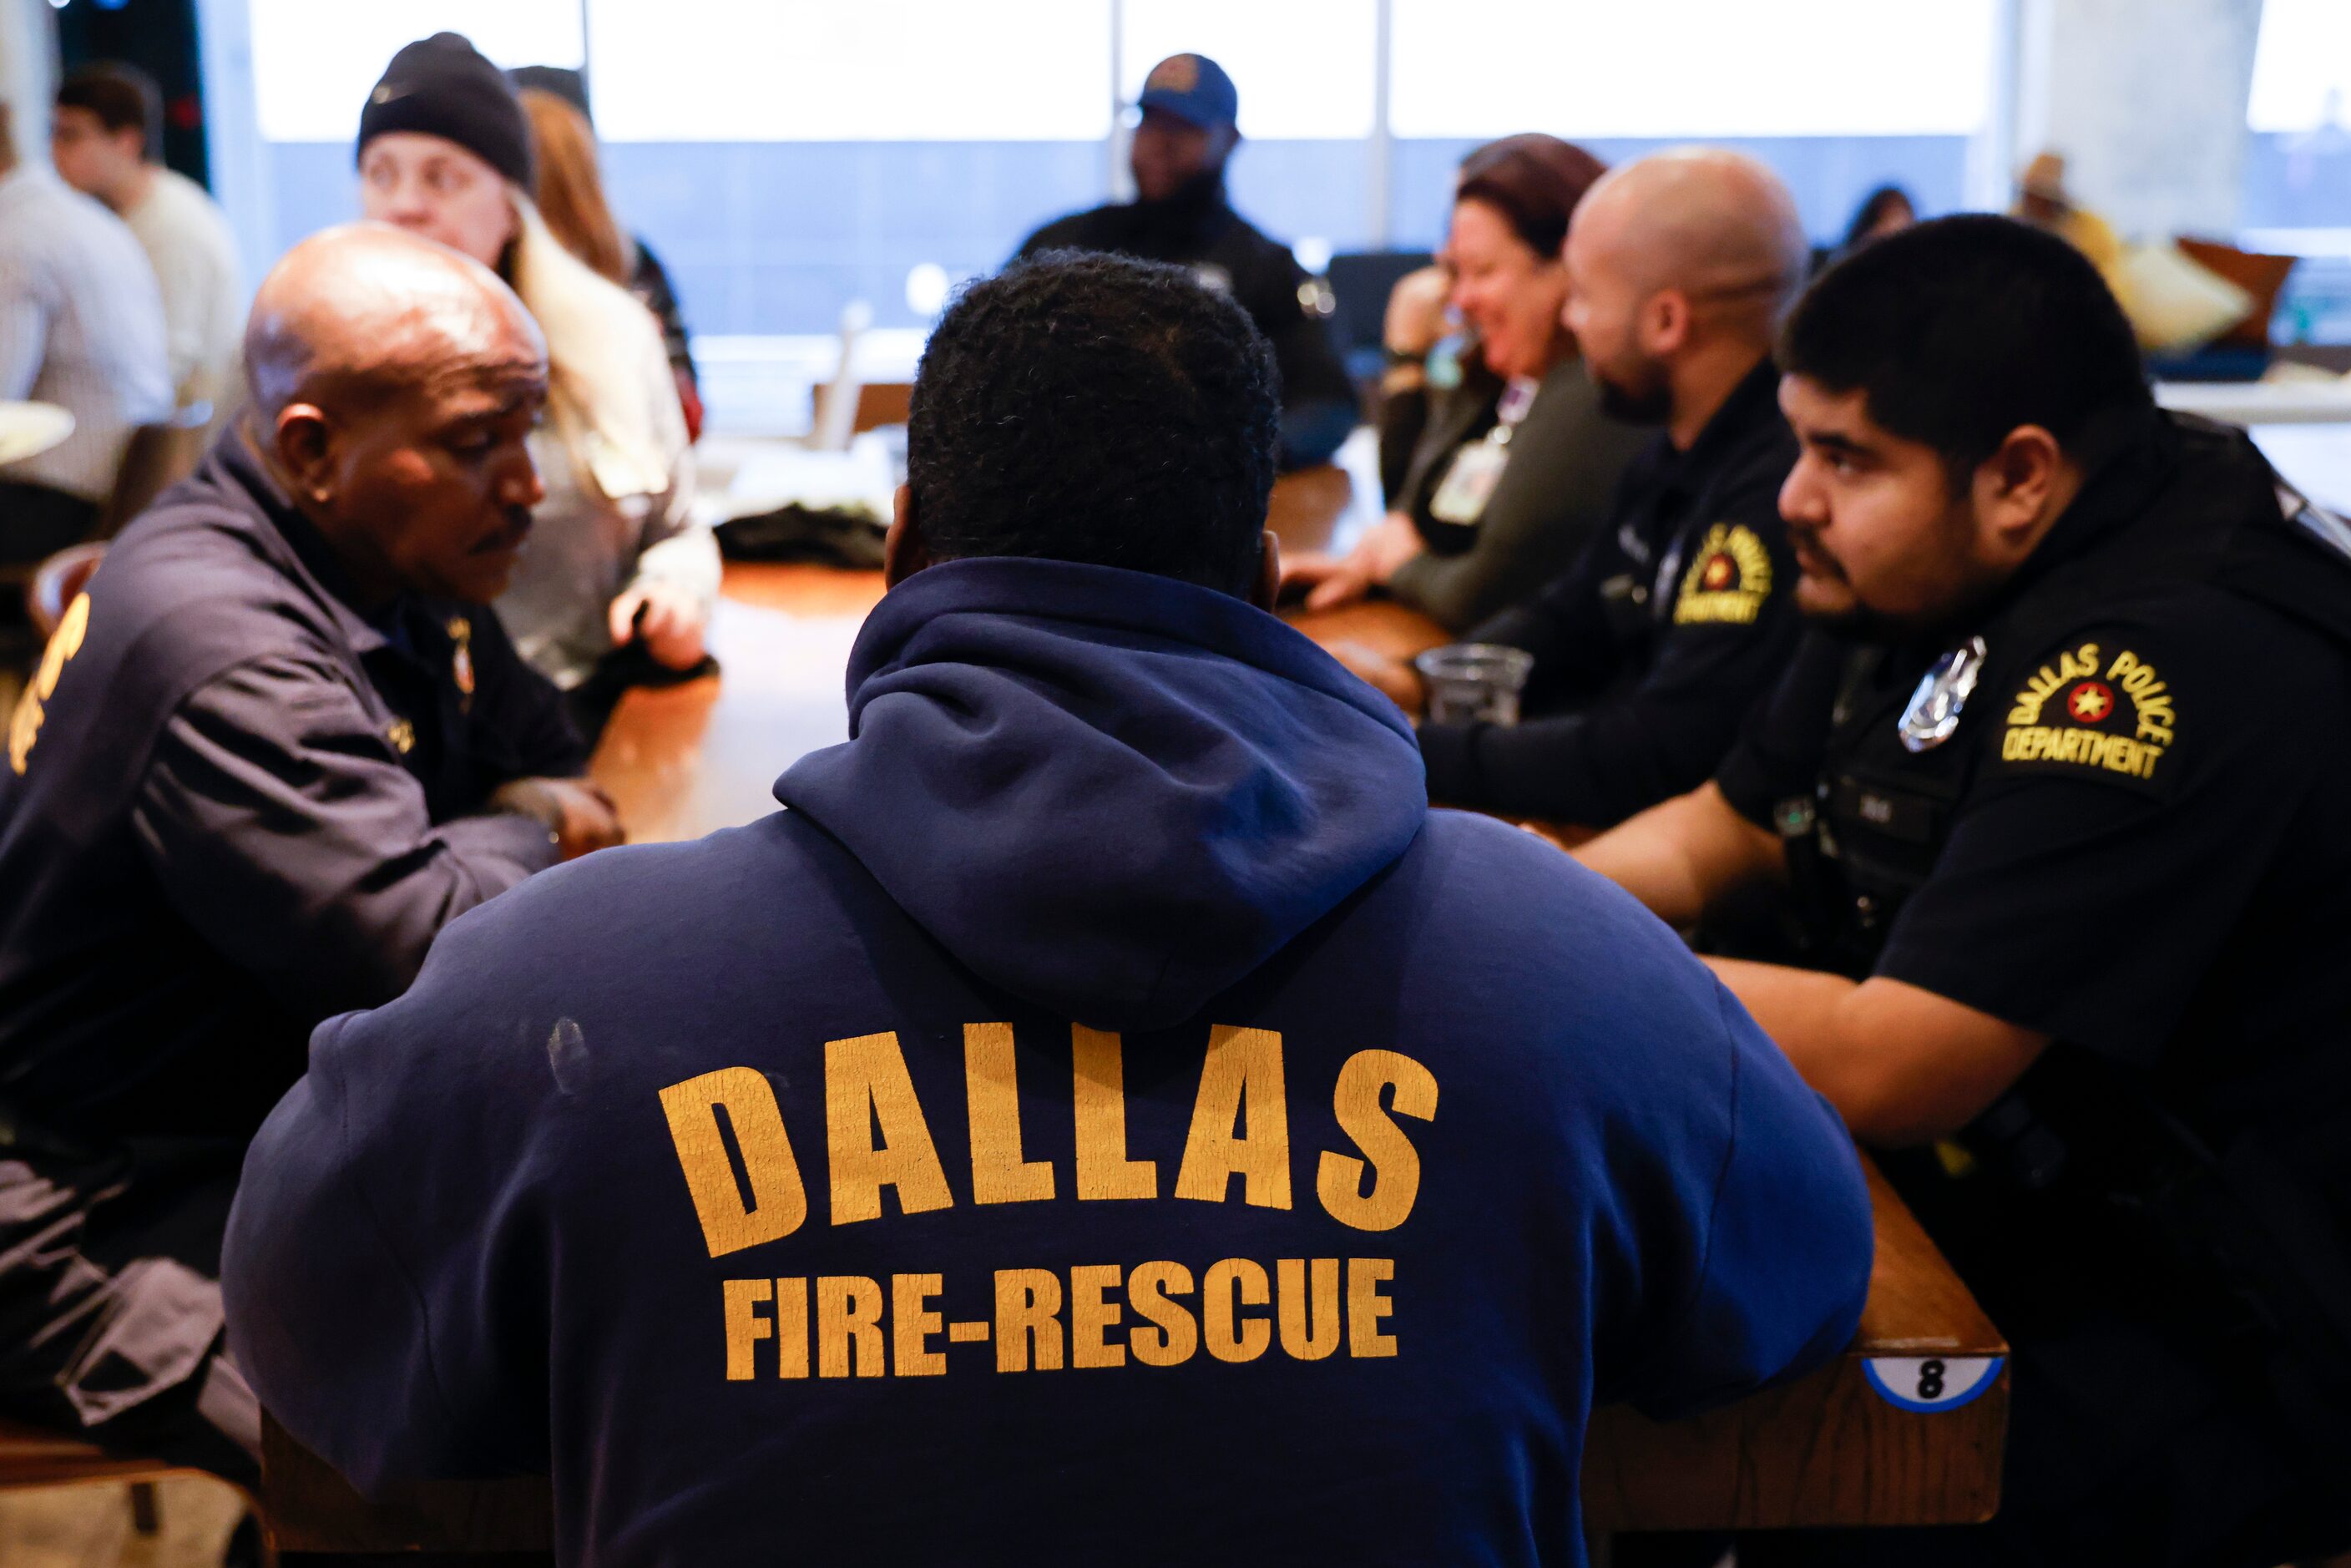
(1187, 133)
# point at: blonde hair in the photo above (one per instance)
(612, 398)
(571, 185)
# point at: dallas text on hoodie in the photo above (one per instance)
(877, 1135)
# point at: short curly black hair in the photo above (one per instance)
(1094, 408)
(1959, 329)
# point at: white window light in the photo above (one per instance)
(1692, 67)
(313, 63)
(2301, 66)
(875, 70)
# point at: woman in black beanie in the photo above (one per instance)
(618, 578)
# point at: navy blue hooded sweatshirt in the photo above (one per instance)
(1107, 1117)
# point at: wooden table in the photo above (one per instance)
(1828, 1449)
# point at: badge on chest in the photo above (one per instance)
(1933, 716)
(1469, 482)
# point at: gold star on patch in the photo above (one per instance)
(2090, 701)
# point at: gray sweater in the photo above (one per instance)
(1550, 501)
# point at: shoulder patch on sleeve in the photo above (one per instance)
(2093, 709)
(1727, 581)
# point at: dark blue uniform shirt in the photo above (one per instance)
(231, 805)
(1650, 651)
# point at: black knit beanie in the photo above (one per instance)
(442, 86)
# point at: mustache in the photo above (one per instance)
(516, 528)
(1806, 542)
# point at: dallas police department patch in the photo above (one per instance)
(2093, 709)
(1728, 578)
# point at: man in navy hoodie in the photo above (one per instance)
(1107, 1114)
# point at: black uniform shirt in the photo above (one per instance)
(233, 806)
(1651, 651)
(1198, 228)
(2134, 841)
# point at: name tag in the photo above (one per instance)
(1468, 483)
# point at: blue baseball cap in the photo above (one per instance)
(1192, 87)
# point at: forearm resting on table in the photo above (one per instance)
(1902, 1065)
(1676, 857)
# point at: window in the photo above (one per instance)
(313, 65)
(785, 158)
(1602, 69)
(2297, 181)
(2302, 68)
(877, 70)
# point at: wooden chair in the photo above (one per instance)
(34, 1457)
(880, 404)
(55, 581)
(159, 456)
(836, 401)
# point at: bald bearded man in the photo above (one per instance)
(269, 752)
(1650, 651)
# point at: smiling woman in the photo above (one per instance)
(1513, 467)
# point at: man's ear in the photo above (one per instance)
(303, 442)
(903, 551)
(2015, 489)
(1267, 589)
(1665, 321)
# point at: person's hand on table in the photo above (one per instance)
(1324, 580)
(1393, 678)
(1391, 541)
(666, 619)
(576, 810)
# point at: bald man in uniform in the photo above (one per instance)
(269, 752)
(1652, 648)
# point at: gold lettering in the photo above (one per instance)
(992, 1089)
(1027, 1302)
(25, 725)
(1092, 1317)
(1175, 1335)
(1240, 1080)
(847, 1318)
(779, 1202)
(792, 1327)
(1366, 1307)
(1099, 1098)
(1229, 1336)
(745, 1327)
(865, 1082)
(2088, 747)
(1310, 1328)
(1395, 1163)
(911, 1325)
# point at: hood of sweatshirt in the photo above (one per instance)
(1109, 794)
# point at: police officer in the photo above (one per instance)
(1185, 138)
(2054, 784)
(1650, 651)
(272, 750)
